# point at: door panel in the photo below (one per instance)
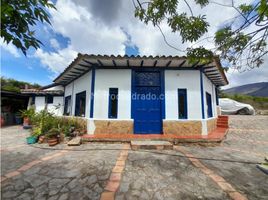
(147, 105)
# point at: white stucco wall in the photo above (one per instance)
(79, 85)
(105, 79)
(58, 87)
(210, 88)
(183, 79)
(57, 106)
(57, 101)
(39, 103)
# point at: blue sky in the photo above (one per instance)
(29, 68)
(107, 27)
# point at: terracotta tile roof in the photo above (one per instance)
(41, 92)
(84, 63)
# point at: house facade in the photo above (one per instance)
(49, 97)
(142, 95)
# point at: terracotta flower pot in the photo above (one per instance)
(41, 139)
(26, 121)
(52, 141)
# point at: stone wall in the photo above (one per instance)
(182, 127)
(113, 127)
(211, 124)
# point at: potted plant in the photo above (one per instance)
(27, 115)
(53, 136)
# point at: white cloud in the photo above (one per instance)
(85, 34)
(253, 76)
(56, 61)
(54, 43)
(96, 27)
(10, 48)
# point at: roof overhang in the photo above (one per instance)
(42, 92)
(84, 63)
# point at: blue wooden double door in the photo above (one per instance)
(148, 101)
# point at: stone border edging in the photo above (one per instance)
(29, 165)
(220, 181)
(116, 175)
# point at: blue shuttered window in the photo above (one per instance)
(182, 104)
(113, 103)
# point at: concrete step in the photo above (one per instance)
(154, 144)
(74, 142)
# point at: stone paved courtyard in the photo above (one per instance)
(38, 172)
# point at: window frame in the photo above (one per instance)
(77, 97)
(183, 91)
(113, 91)
(209, 115)
(69, 98)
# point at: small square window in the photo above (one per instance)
(49, 99)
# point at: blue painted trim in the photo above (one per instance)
(202, 93)
(217, 95)
(184, 93)
(92, 93)
(112, 91)
(163, 101)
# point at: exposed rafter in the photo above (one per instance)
(180, 65)
(100, 63)
(168, 63)
(114, 62)
(155, 63)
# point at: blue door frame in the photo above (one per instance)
(147, 100)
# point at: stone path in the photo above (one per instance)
(113, 171)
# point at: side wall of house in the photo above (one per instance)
(79, 85)
(105, 79)
(57, 106)
(183, 79)
(210, 88)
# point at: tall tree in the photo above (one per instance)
(18, 18)
(243, 46)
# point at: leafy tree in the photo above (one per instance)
(241, 47)
(18, 18)
(12, 85)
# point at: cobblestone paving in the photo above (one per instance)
(159, 176)
(243, 145)
(83, 172)
(77, 174)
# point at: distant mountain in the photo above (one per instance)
(254, 89)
